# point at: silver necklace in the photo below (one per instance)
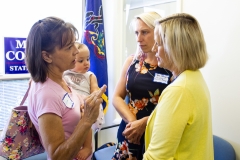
(157, 66)
(147, 68)
(177, 76)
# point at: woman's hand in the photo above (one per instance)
(91, 104)
(134, 130)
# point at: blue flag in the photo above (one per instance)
(94, 38)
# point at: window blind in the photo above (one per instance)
(11, 94)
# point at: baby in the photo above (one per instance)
(84, 82)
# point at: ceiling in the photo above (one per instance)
(141, 3)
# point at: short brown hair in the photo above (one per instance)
(46, 35)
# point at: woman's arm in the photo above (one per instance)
(120, 93)
(167, 124)
(86, 150)
(52, 133)
(88, 142)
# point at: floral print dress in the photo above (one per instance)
(144, 85)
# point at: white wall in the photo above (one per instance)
(113, 25)
(221, 27)
(17, 17)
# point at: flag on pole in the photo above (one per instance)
(94, 38)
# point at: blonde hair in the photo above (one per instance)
(148, 18)
(81, 45)
(183, 41)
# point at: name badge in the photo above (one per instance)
(162, 78)
(67, 101)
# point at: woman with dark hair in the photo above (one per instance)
(54, 107)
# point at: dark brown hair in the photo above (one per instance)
(46, 35)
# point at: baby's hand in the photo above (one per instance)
(82, 110)
(84, 153)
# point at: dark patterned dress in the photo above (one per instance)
(144, 85)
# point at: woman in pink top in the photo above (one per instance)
(53, 107)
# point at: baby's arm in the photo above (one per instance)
(93, 83)
(100, 120)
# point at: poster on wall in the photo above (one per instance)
(14, 52)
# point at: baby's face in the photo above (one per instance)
(82, 64)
